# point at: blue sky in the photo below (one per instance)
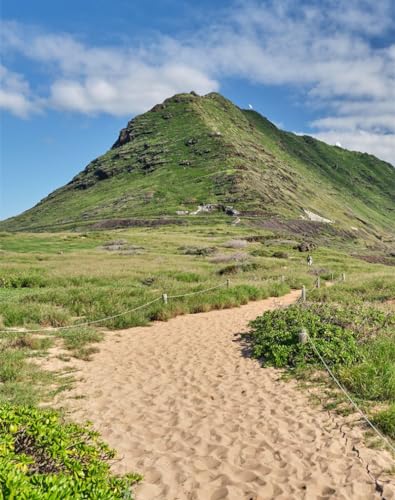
(73, 73)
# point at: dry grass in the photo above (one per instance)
(233, 257)
(236, 244)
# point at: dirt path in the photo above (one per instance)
(184, 405)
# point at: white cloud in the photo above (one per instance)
(323, 50)
(15, 95)
(134, 92)
(113, 80)
(384, 122)
(380, 145)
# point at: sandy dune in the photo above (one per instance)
(184, 404)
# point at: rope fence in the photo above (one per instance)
(302, 336)
(165, 297)
(107, 318)
(317, 284)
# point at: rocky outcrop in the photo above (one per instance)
(306, 246)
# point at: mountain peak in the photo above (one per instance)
(194, 151)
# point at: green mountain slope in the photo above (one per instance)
(192, 151)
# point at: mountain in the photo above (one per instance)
(195, 156)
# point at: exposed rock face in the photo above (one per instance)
(123, 138)
(316, 218)
(204, 208)
(120, 223)
(306, 246)
(158, 107)
(101, 174)
(231, 211)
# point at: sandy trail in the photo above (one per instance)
(184, 405)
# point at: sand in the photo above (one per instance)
(184, 404)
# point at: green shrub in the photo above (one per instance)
(275, 339)
(261, 252)
(12, 364)
(21, 381)
(22, 279)
(186, 277)
(237, 268)
(200, 251)
(364, 321)
(278, 289)
(374, 377)
(18, 313)
(77, 341)
(280, 255)
(75, 338)
(385, 420)
(231, 269)
(42, 457)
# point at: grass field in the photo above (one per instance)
(64, 279)
(59, 279)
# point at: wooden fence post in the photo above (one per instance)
(303, 336)
(318, 282)
(164, 297)
(303, 293)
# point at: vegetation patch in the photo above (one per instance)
(223, 258)
(186, 277)
(238, 268)
(78, 340)
(280, 255)
(21, 381)
(373, 378)
(353, 334)
(43, 457)
(261, 252)
(32, 278)
(236, 244)
(385, 420)
(276, 339)
(200, 251)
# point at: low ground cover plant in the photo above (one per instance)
(352, 333)
(78, 341)
(276, 339)
(15, 278)
(44, 458)
(385, 420)
(22, 382)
